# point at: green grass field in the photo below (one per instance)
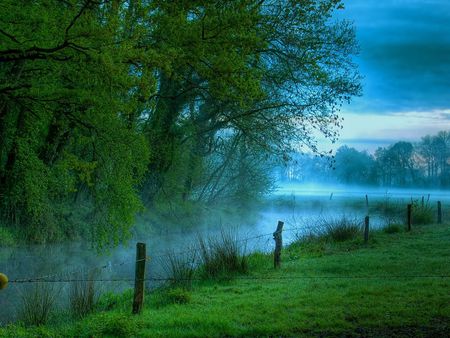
(387, 288)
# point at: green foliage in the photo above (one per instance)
(6, 237)
(107, 103)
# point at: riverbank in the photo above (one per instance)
(396, 285)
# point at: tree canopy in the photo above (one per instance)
(108, 106)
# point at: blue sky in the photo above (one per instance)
(405, 62)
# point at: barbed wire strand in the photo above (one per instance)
(378, 277)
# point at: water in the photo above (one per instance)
(298, 207)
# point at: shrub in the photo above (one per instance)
(82, 295)
(222, 256)
(38, 304)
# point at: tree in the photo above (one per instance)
(68, 130)
(106, 101)
(354, 167)
(435, 153)
(274, 71)
(396, 165)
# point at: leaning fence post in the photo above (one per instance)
(277, 236)
(138, 300)
(409, 216)
(366, 229)
(439, 215)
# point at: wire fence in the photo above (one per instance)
(64, 277)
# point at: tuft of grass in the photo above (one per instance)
(222, 256)
(339, 229)
(180, 269)
(392, 228)
(38, 304)
(178, 296)
(422, 212)
(82, 294)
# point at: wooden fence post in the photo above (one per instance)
(138, 300)
(367, 202)
(439, 210)
(409, 217)
(277, 236)
(366, 229)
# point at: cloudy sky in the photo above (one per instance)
(405, 61)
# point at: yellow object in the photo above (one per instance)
(3, 281)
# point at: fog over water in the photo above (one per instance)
(300, 206)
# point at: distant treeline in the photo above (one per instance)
(402, 164)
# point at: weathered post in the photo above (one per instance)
(277, 236)
(138, 300)
(367, 202)
(409, 217)
(366, 229)
(439, 210)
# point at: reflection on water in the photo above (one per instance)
(297, 208)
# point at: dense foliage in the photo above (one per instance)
(107, 106)
(425, 163)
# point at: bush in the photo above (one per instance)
(82, 295)
(392, 228)
(38, 304)
(222, 256)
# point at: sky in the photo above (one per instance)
(405, 61)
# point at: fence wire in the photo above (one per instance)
(57, 277)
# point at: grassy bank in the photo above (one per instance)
(324, 288)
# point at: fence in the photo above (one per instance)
(141, 259)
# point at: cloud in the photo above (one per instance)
(405, 54)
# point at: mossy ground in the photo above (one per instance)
(380, 289)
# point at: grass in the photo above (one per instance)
(180, 269)
(82, 294)
(38, 305)
(393, 228)
(222, 256)
(309, 296)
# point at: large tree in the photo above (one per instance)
(275, 72)
(193, 96)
